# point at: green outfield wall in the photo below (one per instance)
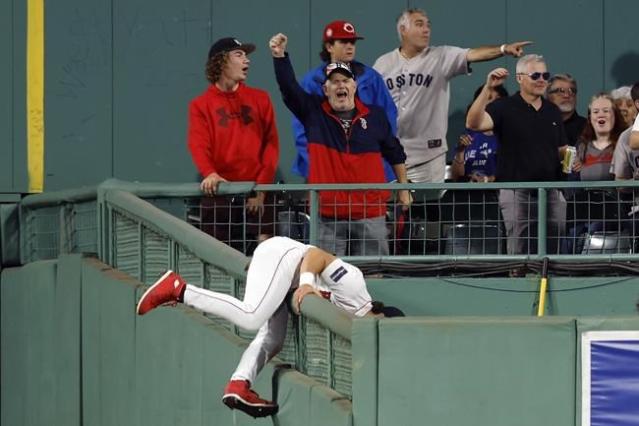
(74, 353)
(118, 74)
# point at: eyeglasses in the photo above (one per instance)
(569, 91)
(536, 75)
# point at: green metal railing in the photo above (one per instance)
(143, 229)
(142, 240)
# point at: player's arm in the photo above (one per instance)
(486, 53)
(314, 262)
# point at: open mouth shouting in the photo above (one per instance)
(341, 94)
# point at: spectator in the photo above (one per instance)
(598, 140)
(625, 163)
(347, 140)
(418, 76)
(232, 137)
(634, 135)
(594, 153)
(531, 137)
(476, 156)
(624, 102)
(338, 45)
(562, 91)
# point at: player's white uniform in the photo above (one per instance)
(273, 272)
(420, 88)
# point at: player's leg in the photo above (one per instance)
(266, 344)
(268, 280)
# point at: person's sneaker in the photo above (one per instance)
(238, 395)
(165, 291)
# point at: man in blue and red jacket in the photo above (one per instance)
(347, 141)
(339, 45)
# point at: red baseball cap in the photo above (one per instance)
(340, 30)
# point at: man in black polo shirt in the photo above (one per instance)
(531, 139)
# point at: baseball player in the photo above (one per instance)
(418, 76)
(280, 265)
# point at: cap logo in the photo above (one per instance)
(349, 28)
(237, 42)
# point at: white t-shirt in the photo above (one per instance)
(420, 88)
(635, 127)
(625, 161)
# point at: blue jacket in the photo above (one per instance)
(339, 157)
(371, 90)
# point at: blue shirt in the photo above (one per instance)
(480, 157)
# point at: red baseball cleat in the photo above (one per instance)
(165, 291)
(238, 395)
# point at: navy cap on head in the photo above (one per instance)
(340, 67)
(227, 44)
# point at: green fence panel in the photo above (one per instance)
(170, 366)
(483, 371)
(67, 322)
(6, 97)
(29, 348)
(304, 402)
(453, 296)
(364, 370)
(108, 345)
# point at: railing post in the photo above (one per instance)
(542, 201)
(314, 212)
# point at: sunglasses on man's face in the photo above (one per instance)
(569, 91)
(536, 75)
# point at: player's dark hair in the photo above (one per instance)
(387, 311)
(214, 67)
(325, 56)
(634, 92)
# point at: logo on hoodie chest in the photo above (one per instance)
(244, 115)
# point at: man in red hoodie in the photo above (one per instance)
(232, 137)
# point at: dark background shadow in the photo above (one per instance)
(625, 70)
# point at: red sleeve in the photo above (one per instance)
(200, 141)
(271, 150)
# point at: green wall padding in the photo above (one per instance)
(364, 340)
(454, 296)
(68, 329)
(40, 344)
(479, 371)
(74, 353)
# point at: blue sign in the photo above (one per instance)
(610, 378)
